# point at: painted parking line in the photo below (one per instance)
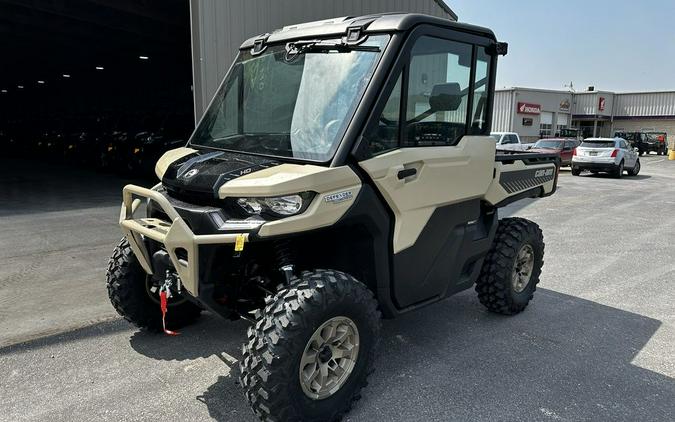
(654, 162)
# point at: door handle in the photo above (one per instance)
(402, 174)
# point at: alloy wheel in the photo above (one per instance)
(329, 358)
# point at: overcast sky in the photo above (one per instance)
(618, 45)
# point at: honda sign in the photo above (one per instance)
(527, 108)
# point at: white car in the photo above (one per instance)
(509, 141)
(610, 155)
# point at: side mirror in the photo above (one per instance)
(445, 97)
(636, 149)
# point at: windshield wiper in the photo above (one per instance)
(300, 47)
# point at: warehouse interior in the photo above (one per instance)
(112, 84)
(85, 68)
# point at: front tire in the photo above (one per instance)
(512, 267)
(129, 292)
(289, 369)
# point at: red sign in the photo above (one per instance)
(527, 108)
(601, 104)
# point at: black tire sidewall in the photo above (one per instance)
(126, 283)
(495, 282)
(315, 409)
(281, 333)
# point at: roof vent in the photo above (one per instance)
(591, 88)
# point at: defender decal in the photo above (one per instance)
(339, 196)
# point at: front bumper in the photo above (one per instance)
(175, 235)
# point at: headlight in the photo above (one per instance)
(279, 205)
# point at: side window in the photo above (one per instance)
(382, 135)
(438, 81)
(623, 145)
(480, 92)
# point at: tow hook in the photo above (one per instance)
(164, 295)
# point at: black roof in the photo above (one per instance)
(384, 22)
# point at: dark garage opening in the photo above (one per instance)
(96, 84)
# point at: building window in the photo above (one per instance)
(546, 124)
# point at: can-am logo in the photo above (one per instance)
(190, 173)
(527, 108)
(543, 173)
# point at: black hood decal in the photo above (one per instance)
(205, 171)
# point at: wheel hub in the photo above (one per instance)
(522, 268)
(329, 358)
(325, 354)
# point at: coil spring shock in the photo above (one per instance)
(283, 252)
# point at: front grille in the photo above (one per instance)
(193, 197)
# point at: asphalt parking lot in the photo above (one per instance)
(597, 342)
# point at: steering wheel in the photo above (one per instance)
(330, 130)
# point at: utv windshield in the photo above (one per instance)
(290, 104)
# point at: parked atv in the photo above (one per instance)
(343, 171)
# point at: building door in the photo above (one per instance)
(546, 124)
(562, 122)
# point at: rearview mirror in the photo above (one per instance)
(445, 97)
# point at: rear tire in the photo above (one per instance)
(618, 171)
(277, 367)
(636, 169)
(128, 292)
(504, 285)
(576, 171)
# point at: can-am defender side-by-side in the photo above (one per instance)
(343, 171)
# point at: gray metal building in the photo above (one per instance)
(597, 113)
(531, 113)
(220, 26)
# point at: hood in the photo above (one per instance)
(205, 171)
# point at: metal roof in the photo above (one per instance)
(384, 22)
(447, 9)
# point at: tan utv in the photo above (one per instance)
(343, 172)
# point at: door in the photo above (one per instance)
(432, 160)
(566, 153)
(629, 154)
